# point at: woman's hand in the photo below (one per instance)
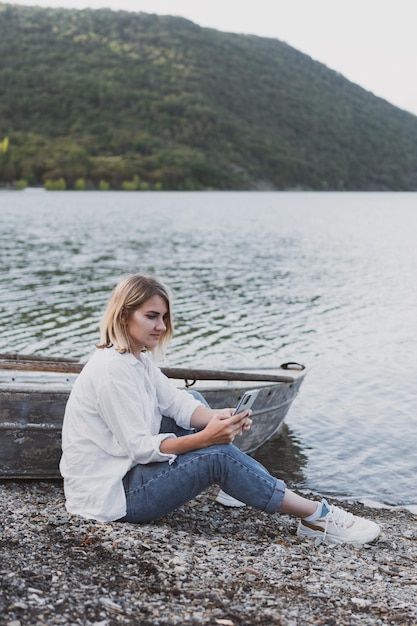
(224, 427)
(217, 426)
(247, 424)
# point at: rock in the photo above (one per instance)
(201, 565)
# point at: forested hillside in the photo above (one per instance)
(99, 99)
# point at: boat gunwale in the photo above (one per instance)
(9, 362)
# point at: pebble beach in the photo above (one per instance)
(204, 564)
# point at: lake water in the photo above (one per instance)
(327, 279)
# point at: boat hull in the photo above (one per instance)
(32, 407)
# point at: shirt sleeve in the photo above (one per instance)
(173, 402)
(124, 409)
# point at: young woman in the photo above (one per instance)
(136, 448)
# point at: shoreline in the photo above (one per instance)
(377, 506)
(203, 564)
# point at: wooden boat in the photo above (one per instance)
(34, 391)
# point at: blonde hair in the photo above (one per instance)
(128, 296)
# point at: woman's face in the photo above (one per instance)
(146, 325)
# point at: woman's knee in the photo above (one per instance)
(168, 425)
(197, 395)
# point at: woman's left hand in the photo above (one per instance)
(247, 424)
(229, 412)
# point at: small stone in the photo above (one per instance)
(110, 605)
(362, 602)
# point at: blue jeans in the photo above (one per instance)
(156, 489)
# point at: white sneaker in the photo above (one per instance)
(339, 526)
(226, 500)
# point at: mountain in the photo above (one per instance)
(102, 98)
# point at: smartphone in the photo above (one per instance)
(246, 400)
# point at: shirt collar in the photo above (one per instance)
(131, 359)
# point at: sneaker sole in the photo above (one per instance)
(328, 538)
(226, 500)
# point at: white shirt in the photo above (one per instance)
(111, 423)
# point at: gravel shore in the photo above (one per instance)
(204, 564)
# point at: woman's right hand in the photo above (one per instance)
(221, 429)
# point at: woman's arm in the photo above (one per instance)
(219, 426)
(202, 415)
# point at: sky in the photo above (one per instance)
(373, 43)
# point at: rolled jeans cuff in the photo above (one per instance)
(277, 497)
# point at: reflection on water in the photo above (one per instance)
(257, 279)
(283, 456)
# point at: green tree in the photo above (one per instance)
(80, 184)
(97, 95)
(55, 185)
(129, 185)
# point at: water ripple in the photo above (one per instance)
(257, 279)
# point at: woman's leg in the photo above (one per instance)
(168, 425)
(156, 489)
(292, 503)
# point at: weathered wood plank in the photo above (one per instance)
(180, 373)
